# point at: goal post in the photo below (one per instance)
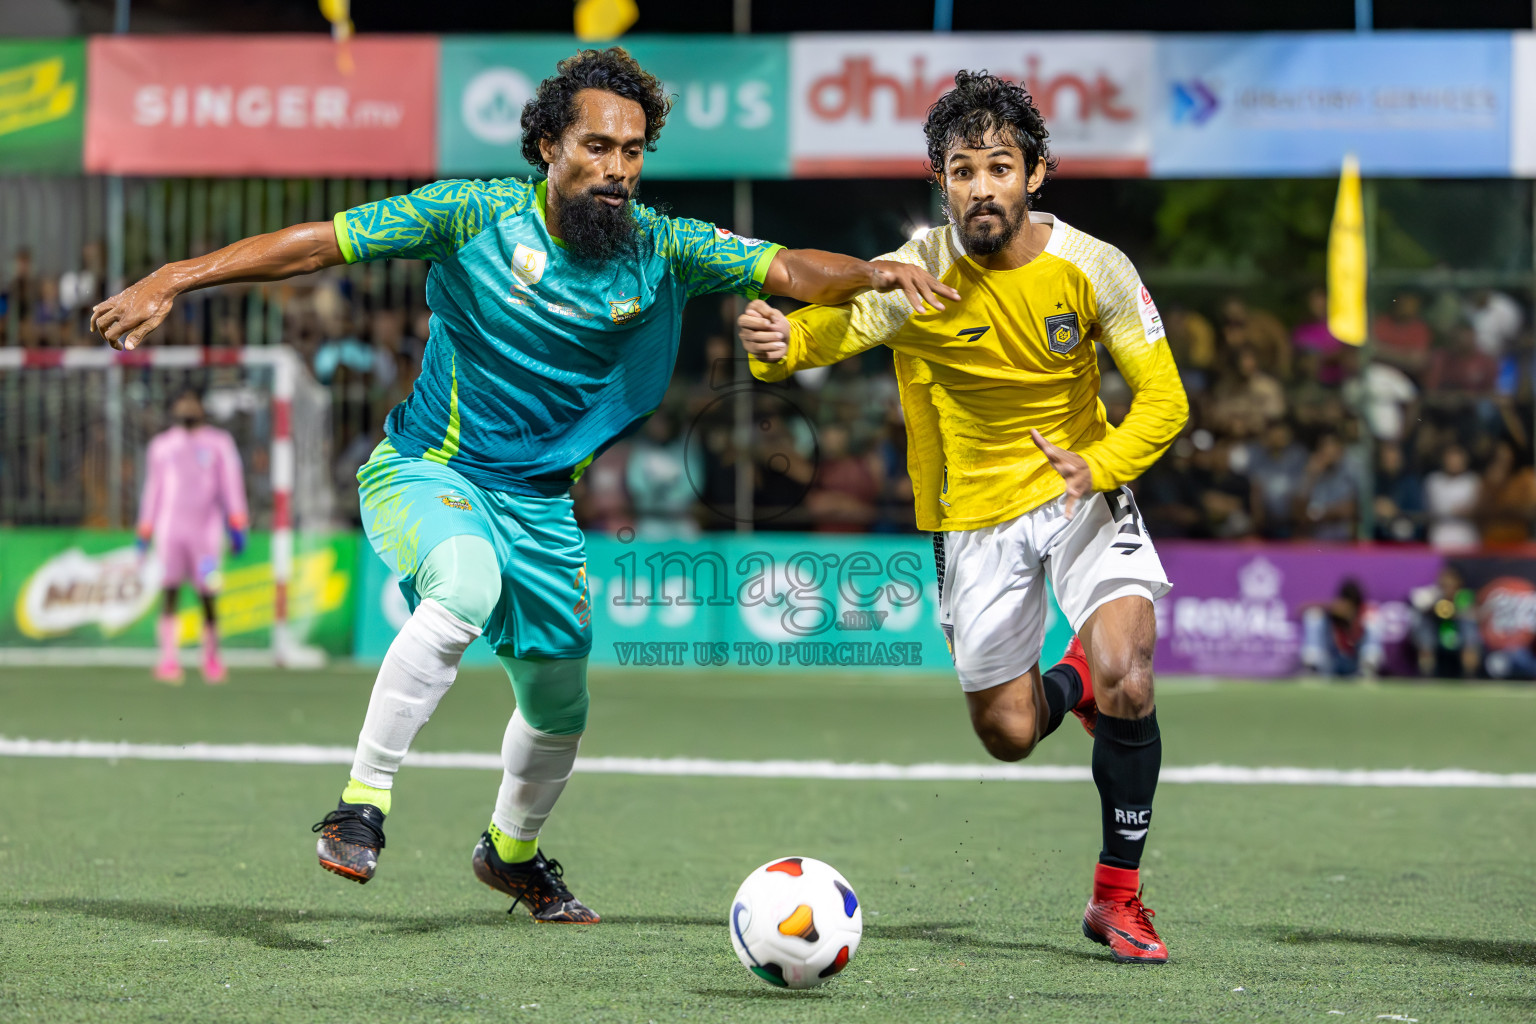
(74, 426)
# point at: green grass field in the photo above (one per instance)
(172, 891)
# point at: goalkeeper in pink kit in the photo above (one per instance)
(193, 491)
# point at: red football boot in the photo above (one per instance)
(1117, 918)
(1086, 711)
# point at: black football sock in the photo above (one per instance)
(1127, 753)
(1063, 689)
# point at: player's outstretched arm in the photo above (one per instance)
(127, 317)
(829, 278)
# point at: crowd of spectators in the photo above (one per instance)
(1283, 421)
(1289, 437)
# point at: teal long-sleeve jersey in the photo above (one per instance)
(537, 362)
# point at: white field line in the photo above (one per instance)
(256, 753)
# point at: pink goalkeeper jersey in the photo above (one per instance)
(192, 486)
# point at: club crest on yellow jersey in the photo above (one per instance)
(1062, 332)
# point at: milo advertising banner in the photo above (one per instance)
(730, 115)
(91, 588)
(768, 602)
(42, 105)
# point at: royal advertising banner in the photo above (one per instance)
(730, 116)
(770, 602)
(1522, 143)
(1412, 104)
(860, 100)
(92, 588)
(278, 105)
(42, 105)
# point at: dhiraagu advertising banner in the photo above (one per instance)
(767, 601)
(729, 116)
(42, 105)
(92, 588)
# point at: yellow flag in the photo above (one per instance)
(600, 20)
(1346, 259)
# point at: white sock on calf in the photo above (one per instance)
(417, 671)
(537, 766)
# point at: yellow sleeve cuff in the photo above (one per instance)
(344, 237)
(760, 269)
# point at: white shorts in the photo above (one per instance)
(992, 581)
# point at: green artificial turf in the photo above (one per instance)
(171, 891)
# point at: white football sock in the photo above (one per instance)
(417, 671)
(537, 766)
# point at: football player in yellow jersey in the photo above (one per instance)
(1015, 468)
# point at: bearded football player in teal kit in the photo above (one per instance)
(555, 318)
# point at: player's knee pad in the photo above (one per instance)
(551, 692)
(464, 576)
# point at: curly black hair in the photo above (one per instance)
(553, 106)
(980, 105)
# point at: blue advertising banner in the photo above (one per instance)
(769, 601)
(1412, 104)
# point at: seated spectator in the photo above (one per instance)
(1168, 497)
(347, 351)
(1247, 400)
(1192, 341)
(1450, 501)
(49, 316)
(661, 479)
(1341, 637)
(784, 470)
(1462, 369)
(1507, 501)
(1277, 467)
(1224, 491)
(1383, 392)
(1402, 337)
(601, 495)
(1259, 330)
(1399, 499)
(1314, 406)
(896, 510)
(1444, 632)
(83, 288)
(1495, 319)
(1329, 493)
(1314, 336)
(843, 498)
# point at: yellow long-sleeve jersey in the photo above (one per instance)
(1015, 353)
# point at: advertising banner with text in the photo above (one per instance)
(91, 588)
(42, 105)
(769, 602)
(860, 100)
(730, 116)
(278, 105)
(1411, 104)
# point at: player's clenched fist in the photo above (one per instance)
(764, 331)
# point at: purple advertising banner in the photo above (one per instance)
(1237, 611)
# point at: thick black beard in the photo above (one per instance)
(979, 243)
(593, 231)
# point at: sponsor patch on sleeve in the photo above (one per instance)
(1151, 322)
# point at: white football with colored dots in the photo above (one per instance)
(795, 922)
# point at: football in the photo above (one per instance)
(795, 922)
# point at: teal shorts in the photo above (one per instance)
(411, 505)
